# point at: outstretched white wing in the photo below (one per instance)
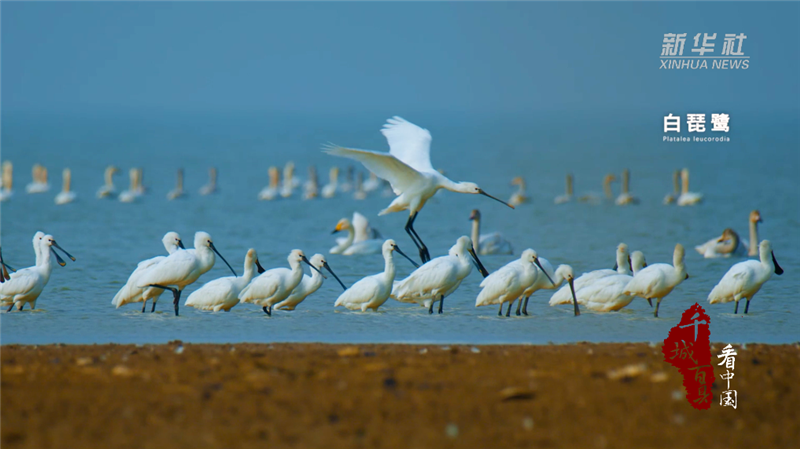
(409, 143)
(401, 176)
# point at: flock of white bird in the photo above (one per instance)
(408, 170)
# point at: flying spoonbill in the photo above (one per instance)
(440, 277)
(223, 293)
(485, 244)
(25, 285)
(309, 284)
(729, 243)
(211, 187)
(658, 280)
(408, 168)
(108, 190)
(372, 291)
(275, 285)
(745, 279)
(686, 197)
(130, 292)
(182, 268)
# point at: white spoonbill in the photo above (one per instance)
(605, 294)
(686, 197)
(309, 284)
(66, 195)
(130, 292)
(311, 186)
(223, 293)
(408, 168)
(567, 196)
(729, 244)
(211, 187)
(270, 192)
(39, 183)
(360, 240)
(372, 291)
(25, 285)
(745, 279)
(7, 190)
(178, 191)
(510, 281)
(658, 280)
(622, 266)
(275, 285)
(519, 196)
(329, 190)
(440, 277)
(130, 195)
(108, 190)
(287, 188)
(676, 188)
(551, 281)
(5, 268)
(485, 244)
(182, 268)
(608, 194)
(625, 197)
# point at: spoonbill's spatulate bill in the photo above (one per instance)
(658, 280)
(275, 285)
(622, 266)
(223, 293)
(25, 285)
(408, 168)
(182, 268)
(745, 279)
(130, 292)
(552, 281)
(372, 291)
(309, 284)
(440, 277)
(606, 294)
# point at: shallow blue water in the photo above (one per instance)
(757, 170)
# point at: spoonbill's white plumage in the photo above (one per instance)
(485, 244)
(211, 187)
(622, 266)
(24, 286)
(745, 279)
(607, 195)
(108, 190)
(7, 187)
(66, 195)
(273, 286)
(658, 280)
(223, 293)
(408, 168)
(372, 291)
(311, 186)
(178, 191)
(329, 190)
(270, 192)
(287, 188)
(130, 292)
(551, 281)
(361, 238)
(438, 278)
(133, 192)
(567, 196)
(625, 197)
(729, 244)
(182, 268)
(520, 196)
(686, 197)
(676, 188)
(605, 294)
(309, 284)
(39, 183)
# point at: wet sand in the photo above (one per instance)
(315, 395)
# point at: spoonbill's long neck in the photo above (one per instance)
(685, 182)
(249, 272)
(43, 264)
(622, 263)
(675, 184)
(753, 250)
(179, 185)
(607, 188)
(569, 185)
(626, 179)
(109, 179)
(389, 268)
(206, 258)
(476, 233)
(67, 178)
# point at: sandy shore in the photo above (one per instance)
(315, 395)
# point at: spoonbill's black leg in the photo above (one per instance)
(176, 294)
(441, 304)
(747, 306)
(500, 312)
(736, 309)
(10, 307)
(424, 255)
(144, 304)
(525, 307)
(153, 309)
(430, 309)
(658, 303)
(267, 310)
(508, 312)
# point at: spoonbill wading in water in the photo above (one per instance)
(745, 279)
(183, 267)
(223, 293)
(25, 286)
(408, 168)
(275, 285)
